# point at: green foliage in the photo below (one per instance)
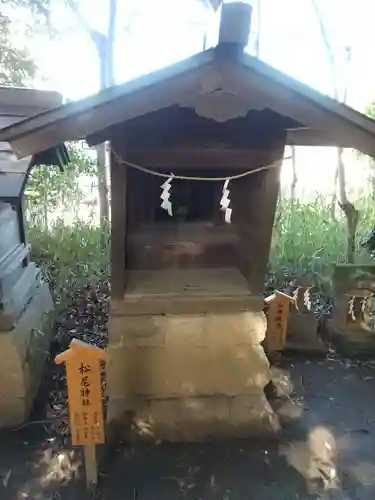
(370, 109)
(16, 65)
(71, 257)
(307, 241)
(36, 6)
(39, 9)
(48, 188)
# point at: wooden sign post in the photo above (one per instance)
(85, 400)
(277, 320)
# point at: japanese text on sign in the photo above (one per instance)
(84, 394)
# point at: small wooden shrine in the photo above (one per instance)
(196, 151)
(25, 299)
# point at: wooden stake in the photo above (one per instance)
(85, 401)
(277, 320)
(91, 466)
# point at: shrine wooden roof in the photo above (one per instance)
(16, 104)
(217, 84)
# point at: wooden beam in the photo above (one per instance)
(253, 200)
(29, 98)
(118, 227)
(176, 158)
(308, 137)
(299, 102)
(296, 137)
(111, 106)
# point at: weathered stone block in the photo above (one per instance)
(252, 408)
(121, 378)
(190, 419)
(13, 410)
(203, 418)
(352, 341)
(202, 330)
(189, 369)
(302, 333)
(349, 276)
(228, 329)
(24, 350)
(145, 330)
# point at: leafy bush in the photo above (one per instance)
(50, 191)
(71, 257)
(306, 242)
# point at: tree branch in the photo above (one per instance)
(111, 41)
(327, 43)
(72, 5)
(257, 39)
(351, 213)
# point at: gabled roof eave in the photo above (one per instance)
(326, 121)
(50, 120)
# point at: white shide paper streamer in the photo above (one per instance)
(225, 202)
(165, 195)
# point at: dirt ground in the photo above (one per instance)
(326, 450)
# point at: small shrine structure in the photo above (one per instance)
(25, 299)
(196, 150)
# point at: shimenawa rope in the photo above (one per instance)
(192, 178)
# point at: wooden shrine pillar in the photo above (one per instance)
(254, 205)
(118, 174)
(269, 190)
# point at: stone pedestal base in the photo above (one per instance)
(204, 418)
(350, 341)
(190, 376)
(24, 350)
(302, 333)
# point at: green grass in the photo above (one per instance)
(71, 257)
(307, 241)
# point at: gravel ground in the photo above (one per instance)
(326, 450)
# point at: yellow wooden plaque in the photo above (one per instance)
(277, 320)
(84, 392)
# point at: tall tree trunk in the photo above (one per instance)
(334, 192)
(101, 172)
(105, 49)
(293, 185)
(101, 44)
(104, 45)
(45, 205)
(351, 214)
(101, 166)
(111, 42)
(257, 39)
